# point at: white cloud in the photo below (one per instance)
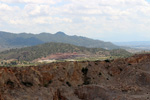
(92, 17)
(32, 1)
(4, 7)
(51, 20)
(89, 19)
(33, 9)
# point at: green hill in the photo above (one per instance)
(43, 50)
(12, 40)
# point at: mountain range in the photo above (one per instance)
(141, 45)
(13, 40)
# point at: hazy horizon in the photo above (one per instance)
(113, 20)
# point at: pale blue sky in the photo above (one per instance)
(109, 20)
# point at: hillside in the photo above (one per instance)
(43, 50)
(120, 79)
(23, 39)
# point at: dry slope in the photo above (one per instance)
(121, 79)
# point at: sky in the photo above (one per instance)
(108, 20)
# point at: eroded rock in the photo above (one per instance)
(120, 79)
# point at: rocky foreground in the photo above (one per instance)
(120, 79)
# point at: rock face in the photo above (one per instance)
(120, 79)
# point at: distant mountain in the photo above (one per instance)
(21, 40)
(133, 43)
(143, 45)
(24, 39)
(44, 50)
